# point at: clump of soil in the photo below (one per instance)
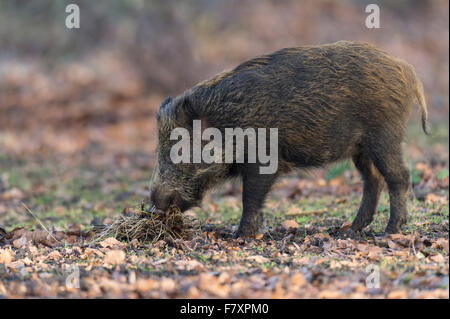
(153, 226)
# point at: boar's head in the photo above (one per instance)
(181, 184)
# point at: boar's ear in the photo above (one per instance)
(164, 104)
(186, 112)
(166, 101)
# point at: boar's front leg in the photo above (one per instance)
(255, 188)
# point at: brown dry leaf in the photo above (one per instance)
(345, 226)
(394, 245)
(335, 264)
(330, 294)
(348, 263)
(189, 265)
(341, 200)
(42, 237)
(290, 224)
(54, 255)
(259, 259)
(6, 256)
(297, 211)
(95, 251)
(113, 243)
(167, 284)
(35, 236)
(15, 265)
(425, 169)
(442, 243)
(294, 211)
(298, 280)
(398, 294)
(438, 258)
(13, 193)
(375, 253)
(259, 236)
(224, 278)
(144, 285)
(3, 290)
(114, 257)
(401, 253)
(320, 261)
(20, 242)
(193, 293)
(433, 198)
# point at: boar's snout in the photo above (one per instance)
(163, 198)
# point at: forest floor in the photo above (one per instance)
(298, 254)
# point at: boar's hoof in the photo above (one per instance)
(240, 233)
(359, 224)
(381, 235)
(394, 226)
(392, 229)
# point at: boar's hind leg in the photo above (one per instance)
(255, 188)
(388, 159)
(373, 184)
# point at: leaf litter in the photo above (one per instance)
(153, 226)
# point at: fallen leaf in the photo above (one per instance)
(19, 243)
(438, 258)
(398, 294)
(259, 259)
(54, 255)
(345, 226)
(298, 280)
(442, 243)
(189, 265)
(294, 211)
(335, 264)
(433, 198)
(259, 236)
(375, 253)
(6, 256)
(297, 211)
(329, 294)
(13, 193)
(290, 224)
(394, 245)
(144, 285)
(16, 265)
(111, 242)
(114, 257)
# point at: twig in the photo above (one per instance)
(39, 221)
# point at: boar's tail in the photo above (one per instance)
(418, 90)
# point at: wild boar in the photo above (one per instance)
(329, 103)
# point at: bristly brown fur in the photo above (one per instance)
(329, 102)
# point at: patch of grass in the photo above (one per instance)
(443, 173)
(337, 170)
(416, 176)
(439, 134)
(303, 220)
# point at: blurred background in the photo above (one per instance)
(63, 90)
(77, 106)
